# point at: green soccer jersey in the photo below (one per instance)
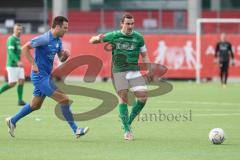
(125, 50)
(13, 51)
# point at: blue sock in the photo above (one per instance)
(22, 113)
(69, 117)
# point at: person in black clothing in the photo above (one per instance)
(222, 57)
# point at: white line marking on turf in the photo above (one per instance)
(216, 114)
(202, 103)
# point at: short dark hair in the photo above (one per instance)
(17, 24)
(126, 15)
(59, 21)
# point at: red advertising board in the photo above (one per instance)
(176, 52)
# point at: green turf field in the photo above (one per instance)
(42, 136)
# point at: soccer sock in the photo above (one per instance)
(4, 87)
(137, 107)
(20, 92)
(123, 110)
(69, 117)
(22, 113)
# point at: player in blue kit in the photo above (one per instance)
(46, 47)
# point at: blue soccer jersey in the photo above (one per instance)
(46, 47)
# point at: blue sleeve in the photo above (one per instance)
(40, 40)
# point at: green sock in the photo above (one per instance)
(4, 87)
(20, 92)
(136, 109)
(123, 110)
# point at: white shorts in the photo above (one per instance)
(15, 73)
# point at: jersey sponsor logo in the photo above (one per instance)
(125, 46)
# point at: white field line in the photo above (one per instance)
(201, 103)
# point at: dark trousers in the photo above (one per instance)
(224, 71)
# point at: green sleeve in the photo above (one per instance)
(11, 48)
(108, 37)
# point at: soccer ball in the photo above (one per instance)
(216, 135)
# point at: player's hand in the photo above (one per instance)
(35, 68)
(64, 55)
(150, 76)
(96, 39)
(20, 64)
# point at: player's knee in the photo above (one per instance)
(123, 99)
(143, 99)
(21, 82)
(141, 96)
(123, 96)
(12, 84)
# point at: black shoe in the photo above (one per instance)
(21, 103)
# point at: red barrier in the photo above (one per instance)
(176, 52)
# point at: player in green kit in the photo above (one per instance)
(127, 46)
(14, 65)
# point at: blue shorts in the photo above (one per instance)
(44, 87)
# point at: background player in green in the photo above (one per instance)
(14, 65)
(127, 45)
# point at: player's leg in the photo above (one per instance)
(48, 88)
(123, 113)
(121, 85)
(123, 109)
(35, 104)
(225, 68)
(138, 86)
(64, 101)
(12, 79)
(221, 73)
(20, 86)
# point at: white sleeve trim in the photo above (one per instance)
(143, 49)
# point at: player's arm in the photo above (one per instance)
(107, 37)
(26, 51)
(34, 43)
(216, 55)
(96, 39)
(63, 55)
(231, 53)
(147, 62)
